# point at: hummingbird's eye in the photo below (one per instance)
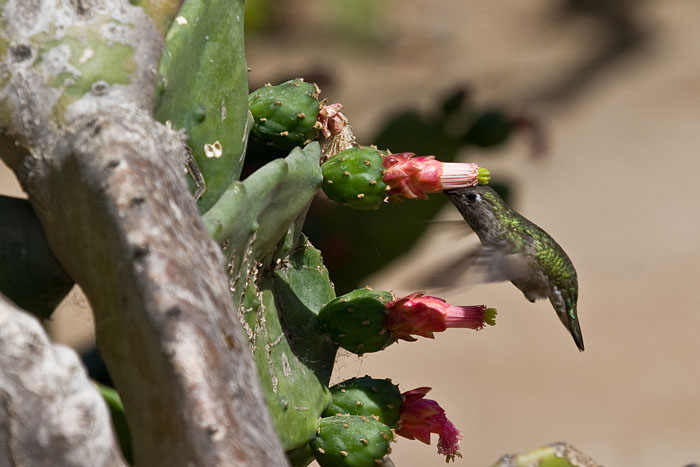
(471, 197)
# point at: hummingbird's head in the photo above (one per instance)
(480, 206)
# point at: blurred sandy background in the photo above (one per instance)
(617, 85)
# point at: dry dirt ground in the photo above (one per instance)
(618, 85)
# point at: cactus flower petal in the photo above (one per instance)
(414, 177)
(419, 417)
(424, 315)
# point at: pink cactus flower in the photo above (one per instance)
(414, 177)
(424, 315)
(419, 417)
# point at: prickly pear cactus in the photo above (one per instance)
(356, 320)
(352, 441)
(277, 279)
(354, 177)
(285, 115)
(279, 283)
(553, 455)
(285, 301)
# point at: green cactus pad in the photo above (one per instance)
(355, 321)
(367, 396)
(204, 90)
(351, 441)
(354, 177)
(553, 455)
(285, 115)
(293, 392)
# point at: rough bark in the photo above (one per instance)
(50, 413)
(106, 182)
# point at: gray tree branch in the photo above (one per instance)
(106, 182)
(50, 413)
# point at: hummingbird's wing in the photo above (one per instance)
(496, 266)
(445, 276)
(478, 265)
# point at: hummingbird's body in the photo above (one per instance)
(515, 249)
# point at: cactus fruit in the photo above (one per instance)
(368, 320)
(376, 398)
(285, 115)
(410, 414)
(351, 441)
(364, 177)
(355, 321)
(354, 177)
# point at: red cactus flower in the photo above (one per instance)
(414, 177)
(419, 417)
(423, 315)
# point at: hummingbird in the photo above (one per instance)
(515, 249)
